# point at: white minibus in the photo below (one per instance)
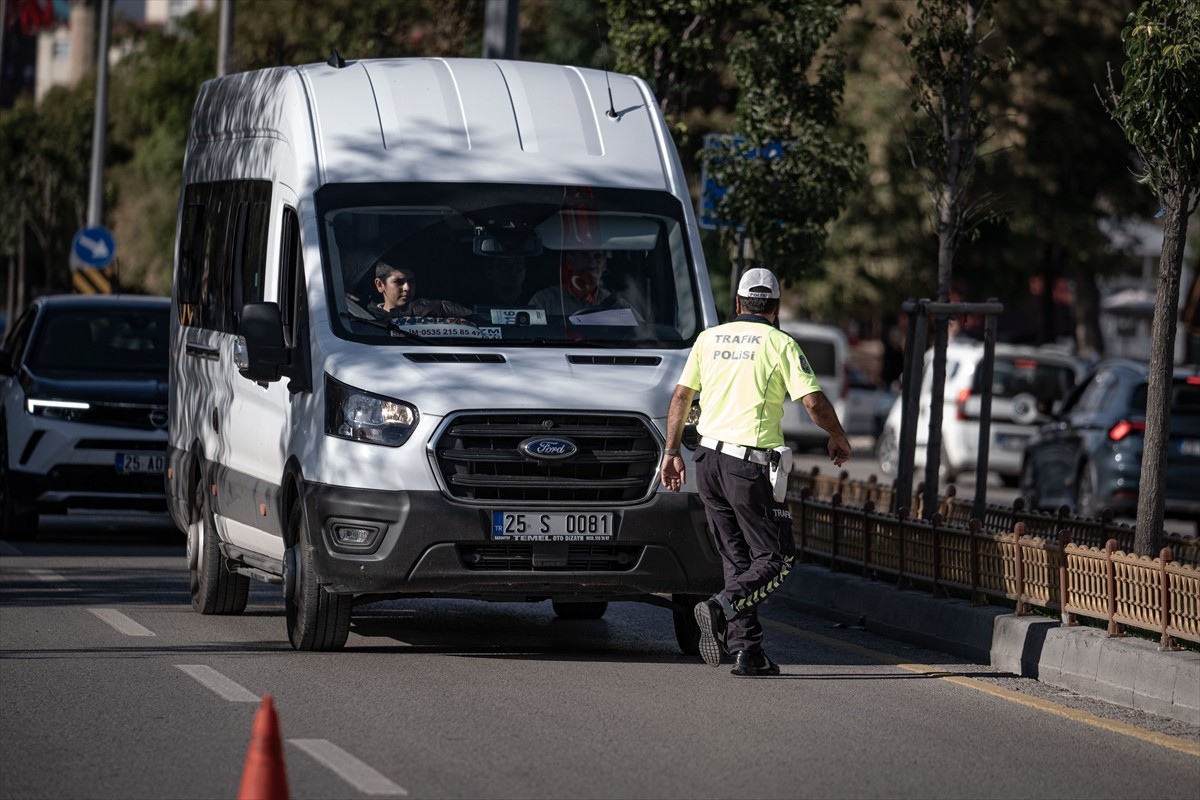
(427, 318)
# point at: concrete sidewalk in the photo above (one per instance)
(1128, 671)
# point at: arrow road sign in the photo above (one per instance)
(93, 247)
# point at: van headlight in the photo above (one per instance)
(364, 417)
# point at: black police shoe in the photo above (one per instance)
(754, 665)
(711, 619)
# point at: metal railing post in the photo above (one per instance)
(1110, 587)
(1064, 580)
(1165, 556)
(1018, 531)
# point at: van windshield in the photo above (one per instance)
(487, 264)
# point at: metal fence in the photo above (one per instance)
(1077, 566)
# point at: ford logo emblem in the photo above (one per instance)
(548, 448)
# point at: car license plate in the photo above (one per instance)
(1010, 442)
(1189, 447)
(140, 463)
(552, 526)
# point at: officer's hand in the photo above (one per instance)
(839, 450)
(674, 474)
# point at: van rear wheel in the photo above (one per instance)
(215, 588)
(316, 619)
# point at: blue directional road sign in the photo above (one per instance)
(93, 246)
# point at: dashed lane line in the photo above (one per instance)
(1132, 731)
(225, 687)
(362, 777)
(122, 623)
(47, 575)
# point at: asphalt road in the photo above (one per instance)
(111, 686)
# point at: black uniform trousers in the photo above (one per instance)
(754, 537)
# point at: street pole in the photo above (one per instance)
(225, 42)
(95, 214)
(500, 29)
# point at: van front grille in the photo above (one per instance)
(614, 462)
(575, 557)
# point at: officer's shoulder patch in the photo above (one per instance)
(804, 365)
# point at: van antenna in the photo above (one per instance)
(612, 108)
(335, 60)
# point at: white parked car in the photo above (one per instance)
(1026, 383)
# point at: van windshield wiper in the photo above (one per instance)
(392, 329)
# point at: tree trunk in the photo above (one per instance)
(1151, 501)
(1089, 341)
(941, 328)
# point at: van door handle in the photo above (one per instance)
(203, 351)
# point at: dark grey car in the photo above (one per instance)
(1090, 455)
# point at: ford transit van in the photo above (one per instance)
(427, 318)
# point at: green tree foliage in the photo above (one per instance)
(1158, 108)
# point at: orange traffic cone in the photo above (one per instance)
(264, 776)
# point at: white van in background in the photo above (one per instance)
(482, 445)
(827, 349)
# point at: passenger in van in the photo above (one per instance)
(581, 286)
(397, 284)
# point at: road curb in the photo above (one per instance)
(1127, 671)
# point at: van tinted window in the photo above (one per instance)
(1014, 375)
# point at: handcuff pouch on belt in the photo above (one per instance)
(780, 461)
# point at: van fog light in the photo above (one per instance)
(355, 536)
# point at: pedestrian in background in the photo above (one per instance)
(743, 369)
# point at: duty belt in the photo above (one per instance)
(756, 454)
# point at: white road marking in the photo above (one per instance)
(48, 575)
(121, 622)
(227, 688)
(362, 777)
(7, 549)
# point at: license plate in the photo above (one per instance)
(1008, 442)
(1190, 447)
(552, 526)
(140, 463)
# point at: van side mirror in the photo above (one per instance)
(260, 354)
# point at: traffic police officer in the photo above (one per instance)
(743, 369)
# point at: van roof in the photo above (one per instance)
(449, 119)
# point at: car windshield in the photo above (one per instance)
(124, 340)
(1012, 376)
(486, 264)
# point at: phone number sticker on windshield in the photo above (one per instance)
(552, 526)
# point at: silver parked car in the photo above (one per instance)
(83, 408)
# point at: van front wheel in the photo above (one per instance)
(316, 619)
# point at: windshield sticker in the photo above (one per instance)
(431, 327)
(519, 316)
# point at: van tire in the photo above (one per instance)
(687, 632)
(215, 588)
(16, 523)
(317, 620)
(568, 610)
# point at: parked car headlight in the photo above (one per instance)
(56, 409)
(364, 417)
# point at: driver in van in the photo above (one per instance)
(398, 287)
(581, 286)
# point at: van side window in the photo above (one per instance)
(192, 240)
(291, 271)
(213, 305)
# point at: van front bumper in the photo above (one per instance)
(428, 545)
